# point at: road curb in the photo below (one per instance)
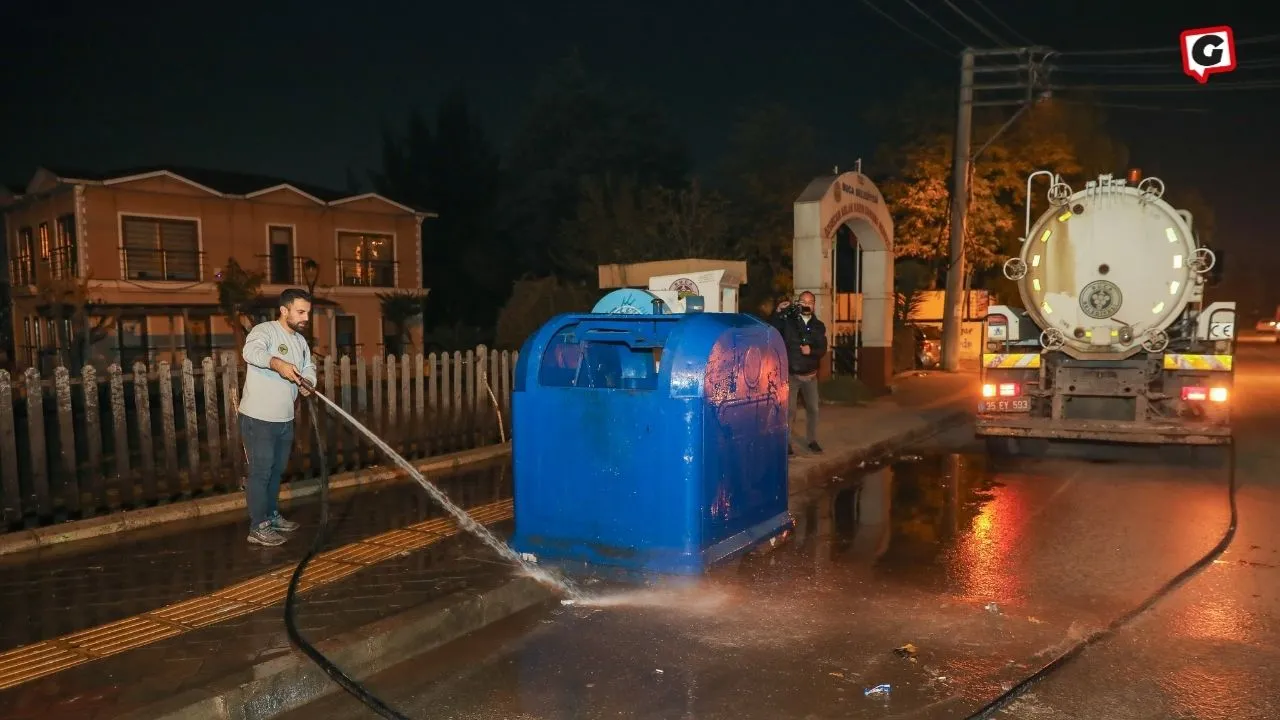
(841, 462)
(281, 684)
(124, 521)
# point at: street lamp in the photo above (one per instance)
(310, 273)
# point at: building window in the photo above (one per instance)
(281, 268)
(199, 339)
(44, 241)
(344, 337)
(133, 340)
(161, 249)
(366, 260)
(63, 261)
(22, 269)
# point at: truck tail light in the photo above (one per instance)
(1200, 394)
(991, 390)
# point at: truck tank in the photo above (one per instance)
(1108, 269)
(1112, 279)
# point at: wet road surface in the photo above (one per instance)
(988, 568)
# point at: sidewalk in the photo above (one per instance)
(104, 609)
(919, 405)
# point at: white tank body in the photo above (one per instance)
(1107, 270)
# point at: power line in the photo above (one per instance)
(1166, 49)
(908, 30)
(1180, 87)
(1155, 68)
(937, 24)
(1129, 106)
(974, 23)
(1004, 24)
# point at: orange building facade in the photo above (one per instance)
(149, 247)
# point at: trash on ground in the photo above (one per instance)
(992, 607)
(658, 670)
(1035, 619)
(907, 651)
(836, 674)
(883, 689)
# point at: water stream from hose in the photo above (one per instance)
(465, 521)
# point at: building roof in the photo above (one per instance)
(220, 182)
(223, 181)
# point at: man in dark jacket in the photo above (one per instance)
(806, 339)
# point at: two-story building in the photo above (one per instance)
(150, 245)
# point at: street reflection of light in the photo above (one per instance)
(1210, 688)
(1215, 617)
(984, 569)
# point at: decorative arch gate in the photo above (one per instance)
(849, 200)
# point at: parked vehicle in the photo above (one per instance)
(1115, 343)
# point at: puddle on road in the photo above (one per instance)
(926, 520)
(922, 517)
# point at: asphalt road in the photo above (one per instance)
(988, 569)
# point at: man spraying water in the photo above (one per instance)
(278, 358)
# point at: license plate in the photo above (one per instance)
(1010, 405)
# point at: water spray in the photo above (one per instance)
(464, 521)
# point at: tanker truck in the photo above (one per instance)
(1114, 341)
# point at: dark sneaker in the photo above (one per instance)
(265, 535)
(814, 446)
(279, 524)
(790, 451)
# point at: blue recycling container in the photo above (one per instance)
(650, 443)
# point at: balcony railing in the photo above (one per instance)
(367, 273)
(64, 262)
(160, 264)
(291, 272)
(22, 271)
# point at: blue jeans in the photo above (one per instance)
(267, 446)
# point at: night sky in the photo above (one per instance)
(300, 90)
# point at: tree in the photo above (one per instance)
(535, 301)
(920, 202)
(399, 308)
(1066, 138)
(69, 303)
(620, 221)
(572, 129)
(237, 290)
(769, 162)
(453, 170)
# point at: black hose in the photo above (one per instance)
(335, 673)
(1057, 663)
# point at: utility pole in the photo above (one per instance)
(1029, 62)
(954, 297)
